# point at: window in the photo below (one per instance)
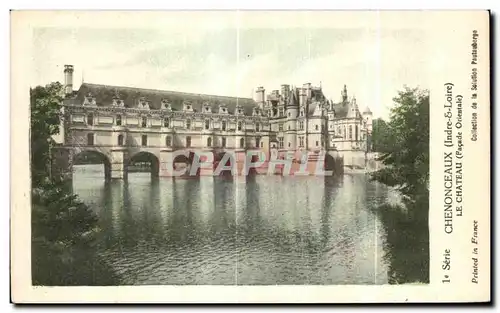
(280, 127)
(280, 141)
(144, 122)
(209, 141)
(288, 127)
(90, 119)
(118, 120)
(223, 125)
(242, 142)
(120, 140)
(289, 144)
(301, 113)
(90, 139)
(356, 132)
(188, 124)
(257, 127)
(168, 141)
(262, 144)
(317, 143)
(345, 132)
(350, 131)
(144, 140)
(207, 124)
(257, 142)
(301, 125)
(188, 141)
(239, 125)
(289, 114)
(166, 122)
(281, 112)
(301, 141)
(316, 127)
(223, 142)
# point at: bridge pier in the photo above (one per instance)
(118, 168)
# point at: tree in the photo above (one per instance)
(406, 147)
(63, 228)
(404, 144)
(381, 137)
(45, 105)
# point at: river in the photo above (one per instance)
(265, 230)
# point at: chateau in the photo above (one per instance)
(120, 122)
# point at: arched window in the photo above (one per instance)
(224, 125)
(118, 120)
(90, 139)
(239, 125)
(168, 141)
(356, 132)
(188, 141)
(207, 124)
(350, 131)
(209, 141)
(90, 119)
(166, 122)
(242, 142)
(188, 124)
(120, 140)
(144, 122)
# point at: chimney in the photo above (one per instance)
(285, 91)
(259, 95)
(68, 79)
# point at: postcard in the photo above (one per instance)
(250, 156)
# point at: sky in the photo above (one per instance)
(232, 53)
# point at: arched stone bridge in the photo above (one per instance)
(168, 162)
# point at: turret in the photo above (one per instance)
(368, 118)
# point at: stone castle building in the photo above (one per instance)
(121, 122)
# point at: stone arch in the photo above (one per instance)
(89, 157)
(140, 159)
(334, 163)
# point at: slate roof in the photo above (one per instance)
(104, 97)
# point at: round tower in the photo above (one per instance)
(368, 118)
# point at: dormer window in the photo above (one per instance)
(223, 110)
(165, 105)
(118, 120)
(166, 122)
(207, 109)
(239, 111)
(188, 107)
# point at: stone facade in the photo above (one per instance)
(120, 123)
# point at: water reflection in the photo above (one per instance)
(253, 230)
